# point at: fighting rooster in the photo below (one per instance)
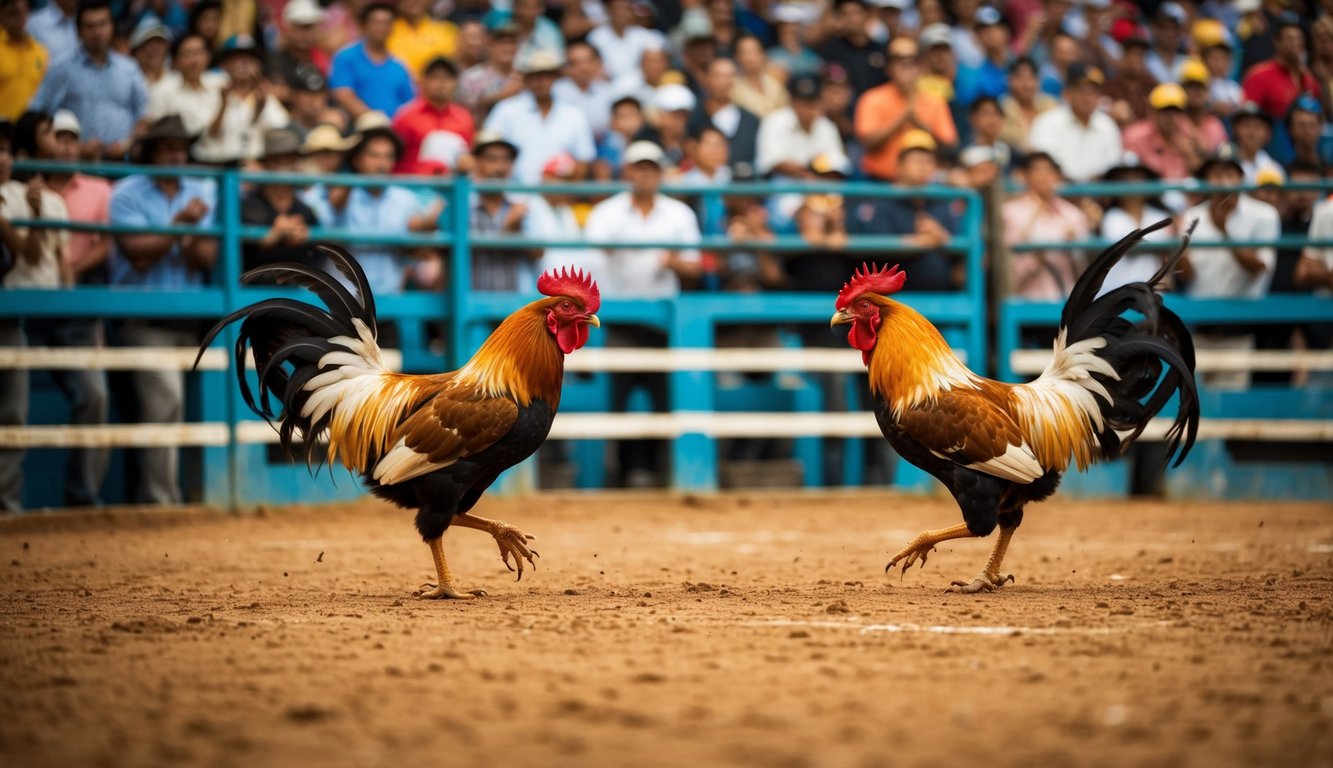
(430, 443)
(998, 447)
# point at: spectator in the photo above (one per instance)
(791, 56)
(23, 59)
(13, 382)
(540, 126)
(1166, 142)
(621, 42)
(309, 97)
(1083, 140)
(697, 49)
(299, 51)
(986, 122)
(708, 152)
(498, 213)
(821, 220)
(1321, 57)
(1253, 131)
(643, 214)
(1127, 213)
(365, 76)
(1305, 126)
(740, 126)
(206, 21)
(246, 110)
(673, 105)
(104, 89)
(535, 31)
(756, 90)
(1054, 72)
(626, 123)
(792, 137)
(1132, 83)
(162, 262)
(1254, 32)
(980, 169)
(1168, 33)
(1276, 84)
(837, 100)
(1224, 93)
(887, 113)
(55, 26)
(436, 131)
(1221, 272)
(325, 150)
(585, 87)
(87, 199)
(1198, 111)
(1023, 104)
(483, 85)
(149, 44)
(191, 91)
(652, 73)
(1040, 215)
(888, 22)
(277, 207)
(989, 77)
(470, 49)
(941, 68)
(551, 217)
(417, 39)
(1294, 271)
(852, 49)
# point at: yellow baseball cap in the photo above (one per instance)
(1269, 176)
(1167, 96)
(917, 139)
(1193, 71)
(903, 48)
(1208, 33)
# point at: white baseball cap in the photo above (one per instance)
(643, 152)
(303, 12)
(673, 97)
(64, 121)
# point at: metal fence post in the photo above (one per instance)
(460, 273)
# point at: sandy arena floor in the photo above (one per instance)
(738, 630)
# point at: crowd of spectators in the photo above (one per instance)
(1012, 98)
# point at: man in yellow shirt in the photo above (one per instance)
(23, 60)
(886, 113)
(417, 39)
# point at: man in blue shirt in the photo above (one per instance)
(104, 89)
(991, 76)
(364, 77)
(53, 26)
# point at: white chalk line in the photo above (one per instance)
(946, 629)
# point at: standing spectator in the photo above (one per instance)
(538, 125)
(299, 50)
(621, 42)
(1305, 126)
(309, 98)
(277, 207)
(1276, 84)
(938, 61)
(1253, 131)
(651, 74)
(673, 105)
(483, 85)
(1321, 56)
(365, 76)
(740, 126)
(551, 218)
(470, 48)
(1198, 108)
(104, 89)
(643, 214)
(756, 89)
(837, 100)
(149, 44)
(1224, 93)
(989, 77)
(192, 92)
(1083, 140)
(535, 31)
(887, 113)
(247, 108)
(1040, 215)
(1128, 213)
(1168, 33)
(435, 130)
(1293, 273)
(852, 49)
(791, 55)
(87, 199)
(1221, 272)
(626, 123)
(1024, 102)
(55, 26)
(792, 137)
(585, 87)
(1166, 141)
(23, 59)
(495, 212)
(417, 39)
(162, 262)
(1132, 83)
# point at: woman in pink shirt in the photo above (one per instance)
(1038, 215)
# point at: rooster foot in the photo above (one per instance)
(514, 542)
(984, 582)
(912, 554)
(446, 592)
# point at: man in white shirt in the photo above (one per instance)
(1084, 140)
(622, 42)
(539, 125)
(585, 86)
(792, 137)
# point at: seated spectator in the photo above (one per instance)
(539, 125)
(309, 103)
(206, 21)
(1040, 215)
(1206, 125)
(791, 56)
(1127, 213)
(325, 150)
(838, 100)
(1166, 142)
(1276, 84)
(852, 49)
(821, 220)
(1064, 52)
(748, 271)
(1023, 104)
(1214, 46)
(1253, 130)
(495, 212)
(626, 123)
(365, 76)
(247, 109)
(1083, 140)
(436, 131)
(149, 44)
(23, 59)
(1132, 83)
(55, 26)
(653, 72)
(979, 168)
(417, 39)
(937, 59)
(483, 85)
(163, 262)
(1168, 32)
(1293, 271)
(470, 48)
(792, 137)
(673, 105)
(1221, 272)
(298, 50)
(990, 76)
(756, 89)
(552, 217)
(585, 87)
(886, 114)
(277, 207)
(1305, 126)
(986, 121)
(740, 126)
(104, 89)
(621, 42)
(707, 151)
(190, 91)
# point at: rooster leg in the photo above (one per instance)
(445, 589)
(511, 540)
(918, 548)
(989, 579)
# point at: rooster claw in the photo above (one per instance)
(446, 591)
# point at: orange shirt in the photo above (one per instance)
(883, 105)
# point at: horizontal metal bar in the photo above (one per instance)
(1033, 361)
(1291, 308)
(111, 358)
(115, 435)
(783, 244)
(115, 170)
(739, 189)
(115, 301)
(771, 359)
(119, 229)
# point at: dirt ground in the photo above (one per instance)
(733, 630)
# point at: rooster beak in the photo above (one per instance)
(593, 321)
(841, 317)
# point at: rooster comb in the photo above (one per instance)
(882, 280)
(573, 283)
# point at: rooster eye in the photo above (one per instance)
(565, 305)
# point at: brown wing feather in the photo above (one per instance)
(969, 428)
(456, 423)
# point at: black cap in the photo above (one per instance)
(308, 78)
(1225, 154)
(1250, 109)
(804, 87)
(1082, 73)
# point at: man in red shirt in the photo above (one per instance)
(1276, 84)
(435, 130)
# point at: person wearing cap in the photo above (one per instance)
(989, 77)
(1276, 84)
(483, 85)
(1198, 112)
(278, 207)
(103, 88)
(585, 85)
(1168, 35)
(672, 106)
(495, 212)
(1166, 142)
(365, 76)
(756, 89)
(1041, 215)
(538, 124)
(298, 51)
(1305, 125)
(436, 131)
(193, 91)
(1252, 130)
(852, 49)
(418, 39)
(325, 149)
(940, 68)
(792, 137)
(694, 40)
(740, 126)
(1225, 94)
(888, 112)
(149, 43)
(552, 216)
(791, 55)
(23, 60)
(308, 102)
(621, 42)
(247, 109)
(1083, 140)
(536, 32)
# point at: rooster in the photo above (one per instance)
(431, 443)
(998, 447)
